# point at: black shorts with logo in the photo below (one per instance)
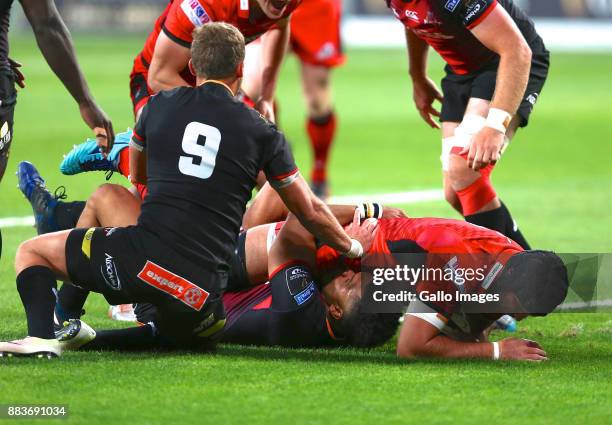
(458, 89)
(132, 265)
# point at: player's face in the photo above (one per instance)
(345, 289)
(273, 9)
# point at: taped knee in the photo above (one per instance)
(477, 195)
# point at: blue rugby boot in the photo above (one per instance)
(32, 185)
(88, 157)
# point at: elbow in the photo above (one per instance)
(405, 353)
(154, 82)
(523, 53)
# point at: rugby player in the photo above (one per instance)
(56, 46)
(527, 283)
(496, 68)
(315, 40)
(190, 219)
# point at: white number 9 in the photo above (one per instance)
(207, 152)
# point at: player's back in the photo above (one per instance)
(204, 151)
(439, 235)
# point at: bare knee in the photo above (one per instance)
(451, 197)
(104, 194)
(459, 174)
(26, 255)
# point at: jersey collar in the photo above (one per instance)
(221, 83)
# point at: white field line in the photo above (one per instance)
(16, 221)
(410, 197)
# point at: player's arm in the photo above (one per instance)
(498, 32)
(138, 146)
(318, 219)
(424, 90)
(169, 59)
(420, 338)
(56, 46)
(274, 46)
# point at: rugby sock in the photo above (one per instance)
(37, 288)
(321, 132)
(499, 219)
(67, 214)
(70, 302)
(128, 339)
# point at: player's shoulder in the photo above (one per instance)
(468, 12)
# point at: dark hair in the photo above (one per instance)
(217, 50)
(538, 279)
(368, 330)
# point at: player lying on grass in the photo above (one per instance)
(533, 282)
(190, 220)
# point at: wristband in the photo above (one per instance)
(498, 119)
(370, 210)
(496, 350)
(356, 249)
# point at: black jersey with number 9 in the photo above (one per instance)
(204, 150)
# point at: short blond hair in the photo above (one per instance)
(217, 50)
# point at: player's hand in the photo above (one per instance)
(266, 108)
(424, 93)
(102, 126)
(485, 148)
(364, 232)
(521, 349)
(19, 77)
(390, 212)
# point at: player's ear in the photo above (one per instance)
(335, 311)
(240, 70)
(191, 68)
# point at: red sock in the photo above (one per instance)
(124, 162)
(321, 133)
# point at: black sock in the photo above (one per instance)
(67, 214)
(70, 302)
(37, 287)
(128, 339)
(499, 219)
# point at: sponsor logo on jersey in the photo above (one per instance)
(451, 5)
(109, 273)
(412, 15)
(472, 12)
(497, 267)
(195, 12)
(305, 295)
(176, 286)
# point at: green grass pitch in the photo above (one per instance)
(556, 178)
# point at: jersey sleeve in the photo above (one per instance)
(139, 138)
(279, 164)
(183, 17)
(298, 312)
(470, 12)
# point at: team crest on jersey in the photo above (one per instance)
(412, 15)
(195, 12)
(299, 284)
(451, 5)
